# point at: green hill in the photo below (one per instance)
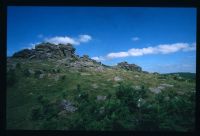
(185, 75)
(52, 88)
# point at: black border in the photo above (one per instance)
(102, 3)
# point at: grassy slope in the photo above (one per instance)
(22, 97)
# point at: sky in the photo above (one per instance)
(157, 39)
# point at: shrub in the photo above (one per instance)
(11, 78)
(128, 96)
(26, 73)
(36, 113)
(64, 94)
(18, 66)
(63, 77)
(37, 73)
(78, 88)
(42, 100)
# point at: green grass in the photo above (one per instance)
(157, 113)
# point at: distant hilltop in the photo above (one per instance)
(47, 50)
(66, 53)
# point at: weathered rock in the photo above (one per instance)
(95, 86)
(166, 85)
(136, 87)
(136, 76)
(155, 73)
(160, 88)
(99, 69)
(57, 77)
(67, 106)
(25, 53)
(155, 90)
(131, 67)
(31, 71)
(41, 76)
(64, 55)
(102, 110)
(117, 78)
(85, 74)
(101, 98)
(47, 50)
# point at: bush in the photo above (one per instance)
(37, 73)
(64, 94)
(128, 96)
(36, 113)
(18, 66)
(63, 77)
(11, 78)
(27, 73)
(42, 100)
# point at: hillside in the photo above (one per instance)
(50, 87)
(185, 75)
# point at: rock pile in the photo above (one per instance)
(47, 50)
(131, 67)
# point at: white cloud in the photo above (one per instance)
(62, 40)
(191, 48)
(98, 58)
(159, 49)
(171, 48)
(85, 38)
(65, 39)
(135, 38)
(32, 45)
(117, 55)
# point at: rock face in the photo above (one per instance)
(47, 50)
(131, 67)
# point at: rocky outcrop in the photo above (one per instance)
(47, 50)
(65, 55)
(131, 67)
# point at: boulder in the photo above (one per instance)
(131, 67)
(95, 86)
(101, 98)
(117, 78)
(67, 106)
(41, 76)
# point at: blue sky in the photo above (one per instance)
(157, 39)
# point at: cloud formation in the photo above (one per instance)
(98, 58)
(65, 39)
(84, 38)
(159, 49)
(135, 38)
